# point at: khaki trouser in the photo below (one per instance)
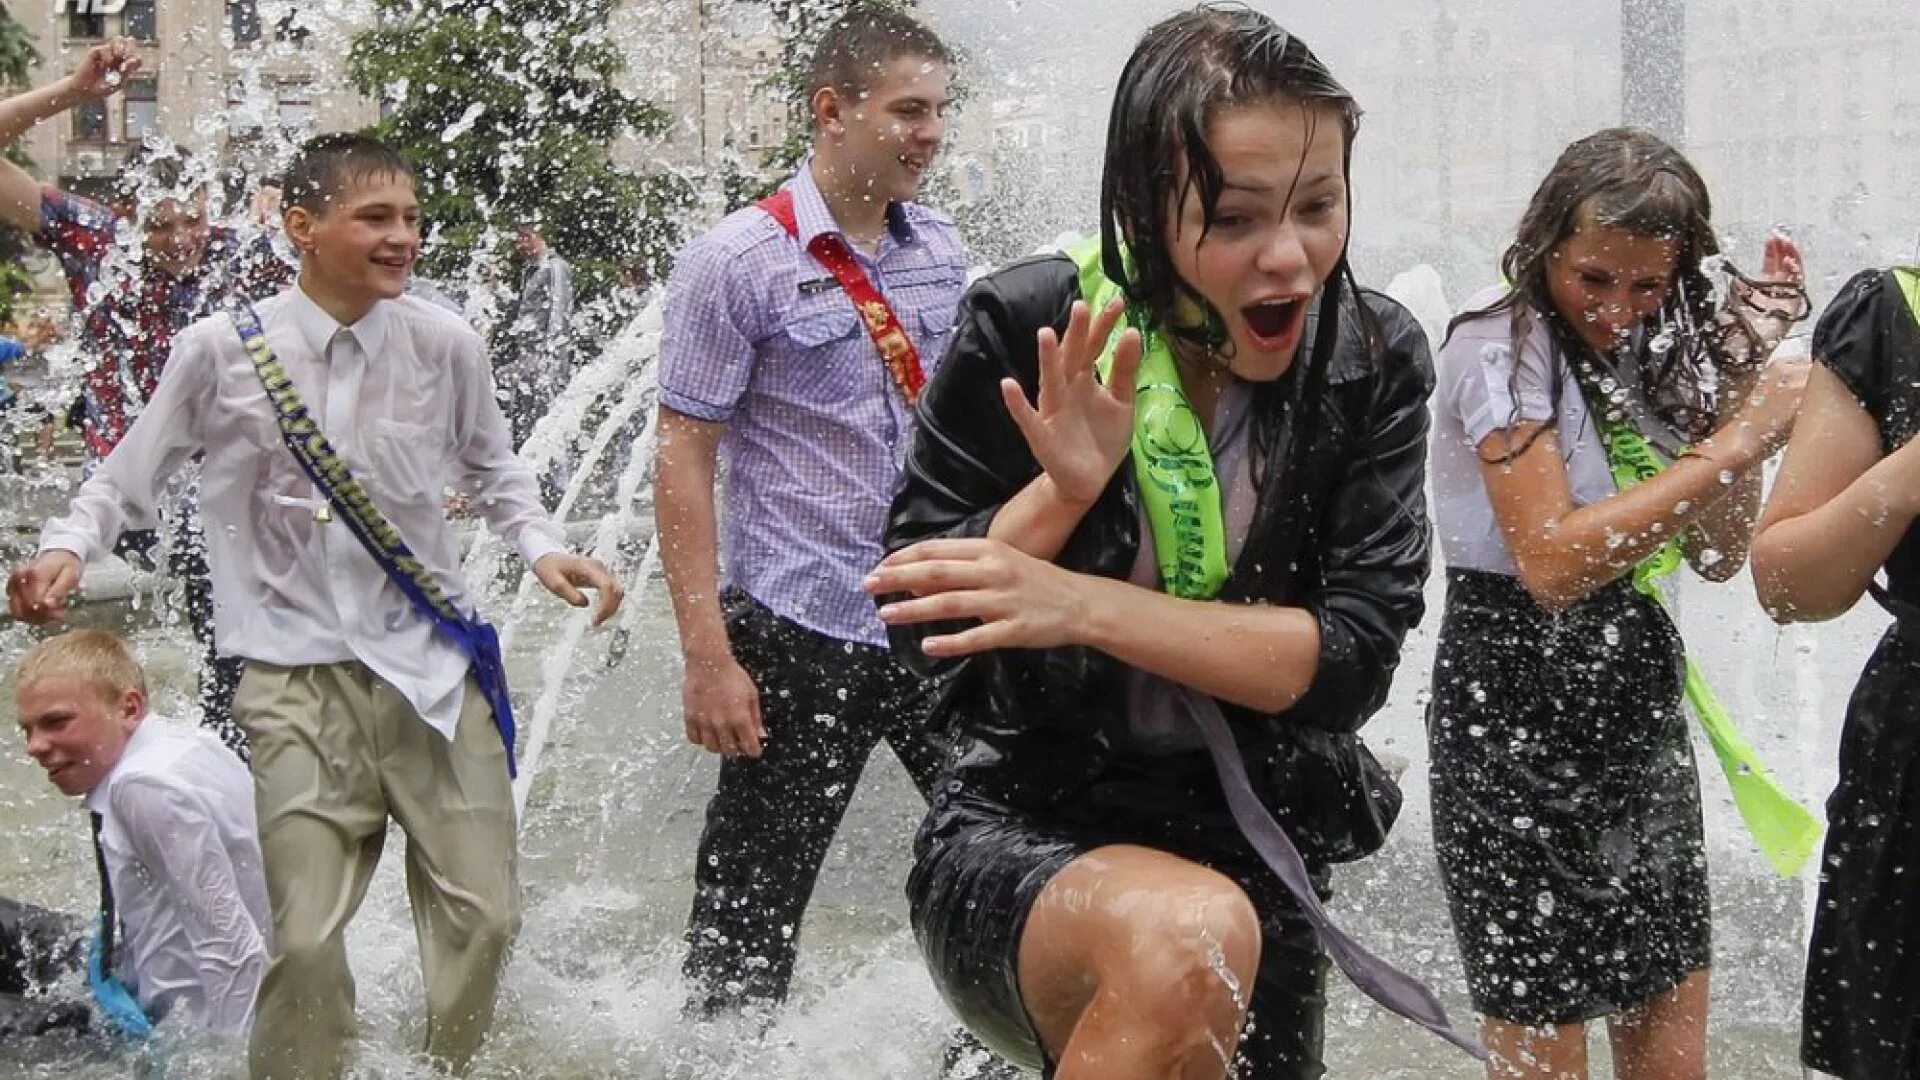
(335, 751)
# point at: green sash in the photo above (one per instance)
(1785, 831)
(1170, 455)
(1909, 279)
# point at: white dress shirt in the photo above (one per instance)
(405, 398)
(177, 830)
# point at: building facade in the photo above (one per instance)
(240, 79)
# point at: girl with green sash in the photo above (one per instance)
(1842, 511)
(1203, 535)
(1598, 421)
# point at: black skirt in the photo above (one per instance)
(1862, 1015)
(980, 865)
(1566, 808)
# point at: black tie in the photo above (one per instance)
(107, 919)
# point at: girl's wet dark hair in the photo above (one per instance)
(1627, 179)
(1183, 73)
(1185, 70)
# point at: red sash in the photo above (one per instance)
(896, 348)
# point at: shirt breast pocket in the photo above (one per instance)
(408, 458)
(818, 326)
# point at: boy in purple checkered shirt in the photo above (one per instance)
(764, 357)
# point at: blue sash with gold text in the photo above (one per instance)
(474, 636)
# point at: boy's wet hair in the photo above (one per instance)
(155, 169)
(856, 49)
(95, 657)
(328, 165)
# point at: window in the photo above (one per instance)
(139, 20)
(90, 122)
(291, 28)
(243, 17)
(85, 25)
(243, 120)
(142, 107)
(295, 100)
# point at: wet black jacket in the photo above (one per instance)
(1343, 533)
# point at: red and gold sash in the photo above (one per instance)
(883, 326)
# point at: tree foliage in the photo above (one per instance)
(508, 110)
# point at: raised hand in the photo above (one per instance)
(1766, 306)
(1079, 430)
(104, 70)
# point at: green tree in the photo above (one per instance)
(507, 109)
(18, 58)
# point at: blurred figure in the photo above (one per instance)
(131, 300)
(535, 358)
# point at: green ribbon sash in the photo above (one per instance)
(1171, 458)
(1785, 831)
(1909, 279)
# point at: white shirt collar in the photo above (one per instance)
(317, 328)
(143, 735)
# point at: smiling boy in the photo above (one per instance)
(810, 386)
(359, 701)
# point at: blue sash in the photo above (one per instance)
(474, 636)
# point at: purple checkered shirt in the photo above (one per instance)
(758, 335)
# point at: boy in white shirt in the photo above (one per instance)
(183, 902)
(370, 690)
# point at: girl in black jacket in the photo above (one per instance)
(1081, 891)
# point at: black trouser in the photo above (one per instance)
(38, 950)
(826, 704)
(187, 562)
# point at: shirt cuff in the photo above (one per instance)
(694, 407)
(536, 542)
(75, 543)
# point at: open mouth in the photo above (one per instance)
(914, 164)
(1274, 324)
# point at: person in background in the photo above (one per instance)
(131, 299)
(771, 356)
(535, 357)
(372, 689)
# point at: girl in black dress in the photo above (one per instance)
(1566, 809)
(1841, 511)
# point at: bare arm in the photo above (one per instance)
(689, 529)
(20, 192)
(1564, 552)
(1717, 543)
(1837, 511)
(719, 699)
